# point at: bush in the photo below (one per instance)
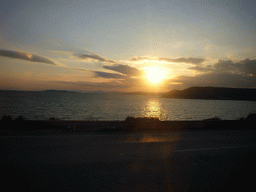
(241, 119)
(141, 119)
(129, 118)
(54, 119)
(216, 118)
(6, 118)
(251, 117)
(20, 118)
(148, 119)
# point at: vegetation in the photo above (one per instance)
(54, 119)
(142, 119)
(19, 118)
(6, 118)
(130, 124)
(251, 117)
(216, 118)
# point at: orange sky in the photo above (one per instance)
(110, 45)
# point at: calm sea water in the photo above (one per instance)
(93, 106)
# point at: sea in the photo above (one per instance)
(92, 106)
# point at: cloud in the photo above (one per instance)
(202, 68)
(191, 60)
(26, 56)
(85, 70)
(109, 75)
(88, 56)
(222, 79)
(240, 74)
(104, 74)
(124, 69)
(142, 58)
(120, 68)
(246, 66)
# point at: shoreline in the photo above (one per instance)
(49, 127)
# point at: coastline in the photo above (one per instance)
(49, 127)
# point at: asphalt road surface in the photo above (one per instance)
(177, 161)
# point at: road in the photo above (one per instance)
(177, 161)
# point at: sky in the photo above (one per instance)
(115, 45)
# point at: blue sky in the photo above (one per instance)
(107, 45)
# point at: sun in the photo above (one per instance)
(155, 74)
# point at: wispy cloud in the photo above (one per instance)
(27, 56)
(124, 69)
(109, 75)
(202, 68)
(191, 60)
(88, 56)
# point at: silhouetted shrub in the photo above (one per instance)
(6, 118)
(129, 118)
(52, 119)
(251, 117)
(241, 119)
(213, 119)
(20, 118)
(91, 118)
(141, 119)
(130, 121)
(141, 123)
(147, 119)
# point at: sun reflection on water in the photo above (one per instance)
(153, 109)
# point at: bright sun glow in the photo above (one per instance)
(155, 74)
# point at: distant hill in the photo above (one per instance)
(214, 93)
(60, 91)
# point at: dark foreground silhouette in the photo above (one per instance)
(130, 124)
(186, 161)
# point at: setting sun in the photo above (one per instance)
(155, 74)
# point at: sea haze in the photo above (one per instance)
(68, 105)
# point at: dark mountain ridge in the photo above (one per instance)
(214, 93)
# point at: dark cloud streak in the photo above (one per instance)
(246, 66)
(114, 66)
(93, 57)
(26, 56)
(109, 75)
(237, 74)
(124, 69)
